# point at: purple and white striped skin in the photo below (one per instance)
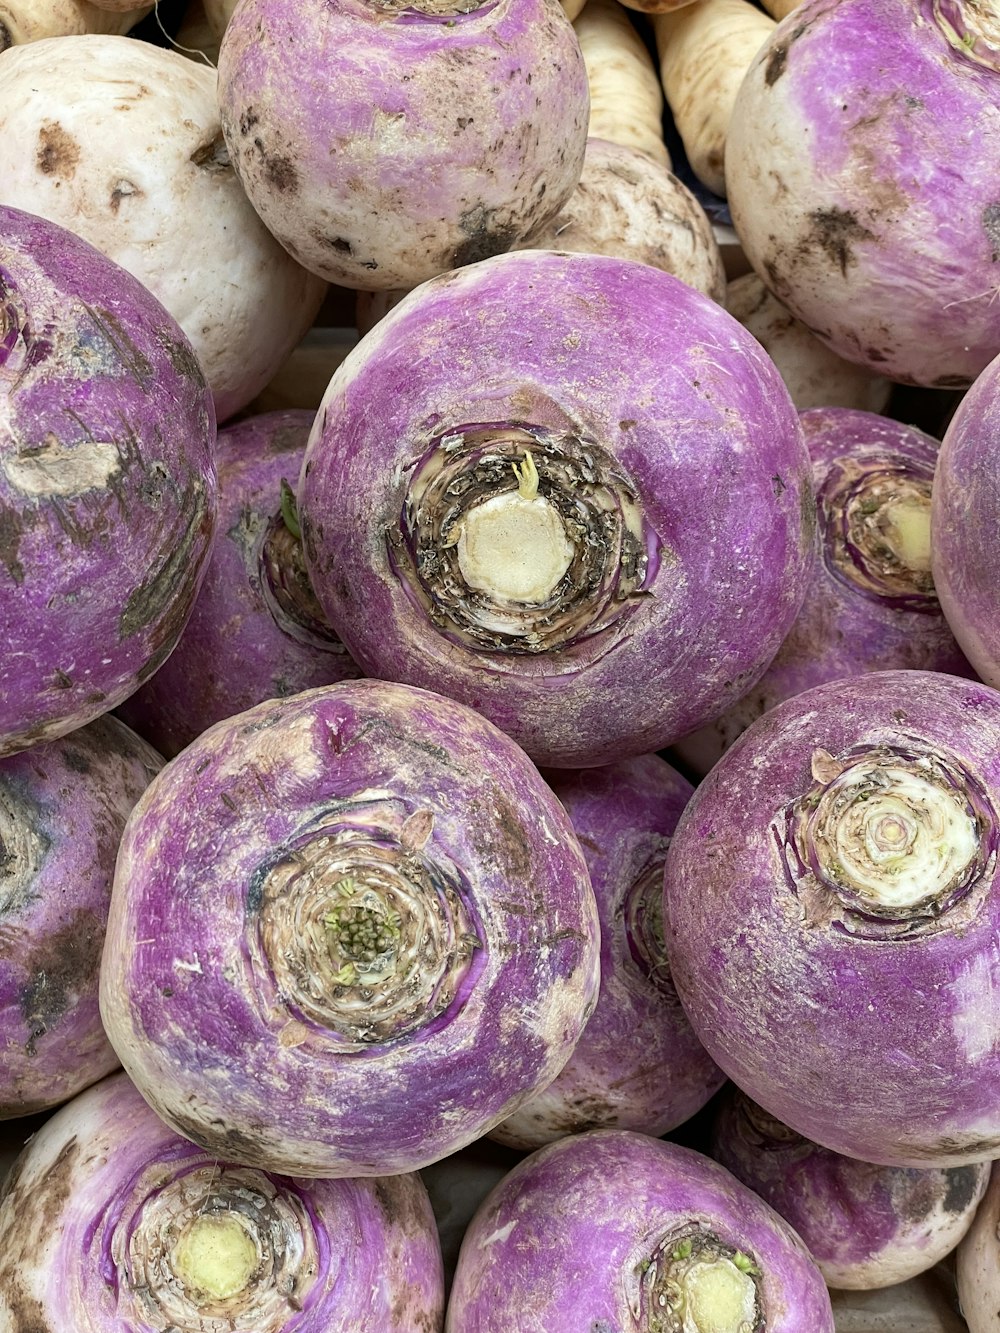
(63, 806)
(637, 1065)
(256, 631)
(965, 516)
(350, 932)
(977, 1262)
(832, 912)
(860, 180)
(107, 483)
(871, 605)
(612, 1230)
(384, 143)
(866, 1226)
(110, 1223)
(568, 490)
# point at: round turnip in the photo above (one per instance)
(866, 1226)
(63, 805)
(23, 21)
(120, 142)
(541, 485)
(637, 1064)
(256, 631)
(110, 1222)
(107, 481)
(965, 515)
(613, 1230)
(977, 1262)
(384, 143)
(859, 179)
(871, 605)
(832, 909)
(350, 932)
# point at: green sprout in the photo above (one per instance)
(289, 510)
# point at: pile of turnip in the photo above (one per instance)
(500, 690)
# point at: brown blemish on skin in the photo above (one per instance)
(500, 836)
(281, 174)
(61, 967)
(991, 226)
(962, 1184)
(123, 190)
(12, 528)
(775, 65)
(58, 152)
(835, 230)
(485, 236)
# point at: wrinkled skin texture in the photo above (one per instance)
(600, 354)
(878, 1042)
(242, 645)
(107, 482)
(866, 1226)
(86, 1245)
(243, 1039)
(63, 806)
(965, 517)
(844, 629)
(858, 181)
(383, 147)
(120, 141)
(559, 1242)
(637, 1064)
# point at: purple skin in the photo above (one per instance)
(350, 932)
(582, 1235)
(871, 605)
(833, 916)
(637, 1065)
(670, 459)
(256, 631)
(965, 515)
(97, 1211)
(107, 484)
(859, 175)
(63, 806)
(383, 143)
(866, 1226)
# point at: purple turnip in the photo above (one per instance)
(637, 1064)
(256, 631)
(858, 176)
(866, 1226)
(63, 805)
(871, 605)
(109, 1222)
(120, 141)
(107, 482)
(350, 932)
(384, 143)
(966, 518)
(977, 1262)
(612, 1230)
(832, 911)
(542, 484)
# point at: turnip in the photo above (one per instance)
(637, 1064)
(966, 516)
(110, 1222)
(612, 1230)
(107, 482)
(832, 909)
(977, 1262)
(256, 631)
(382, 145)
(705, 50)
(626, 100)
(857, 177)
(24, 21)
(813, 375)
(541, 484)
(866, 1226)
(63, 805)
(871, 605)
(350, 932)
(120, 142)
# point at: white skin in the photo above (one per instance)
(120, 142)
(626, 100)
(23, 21)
